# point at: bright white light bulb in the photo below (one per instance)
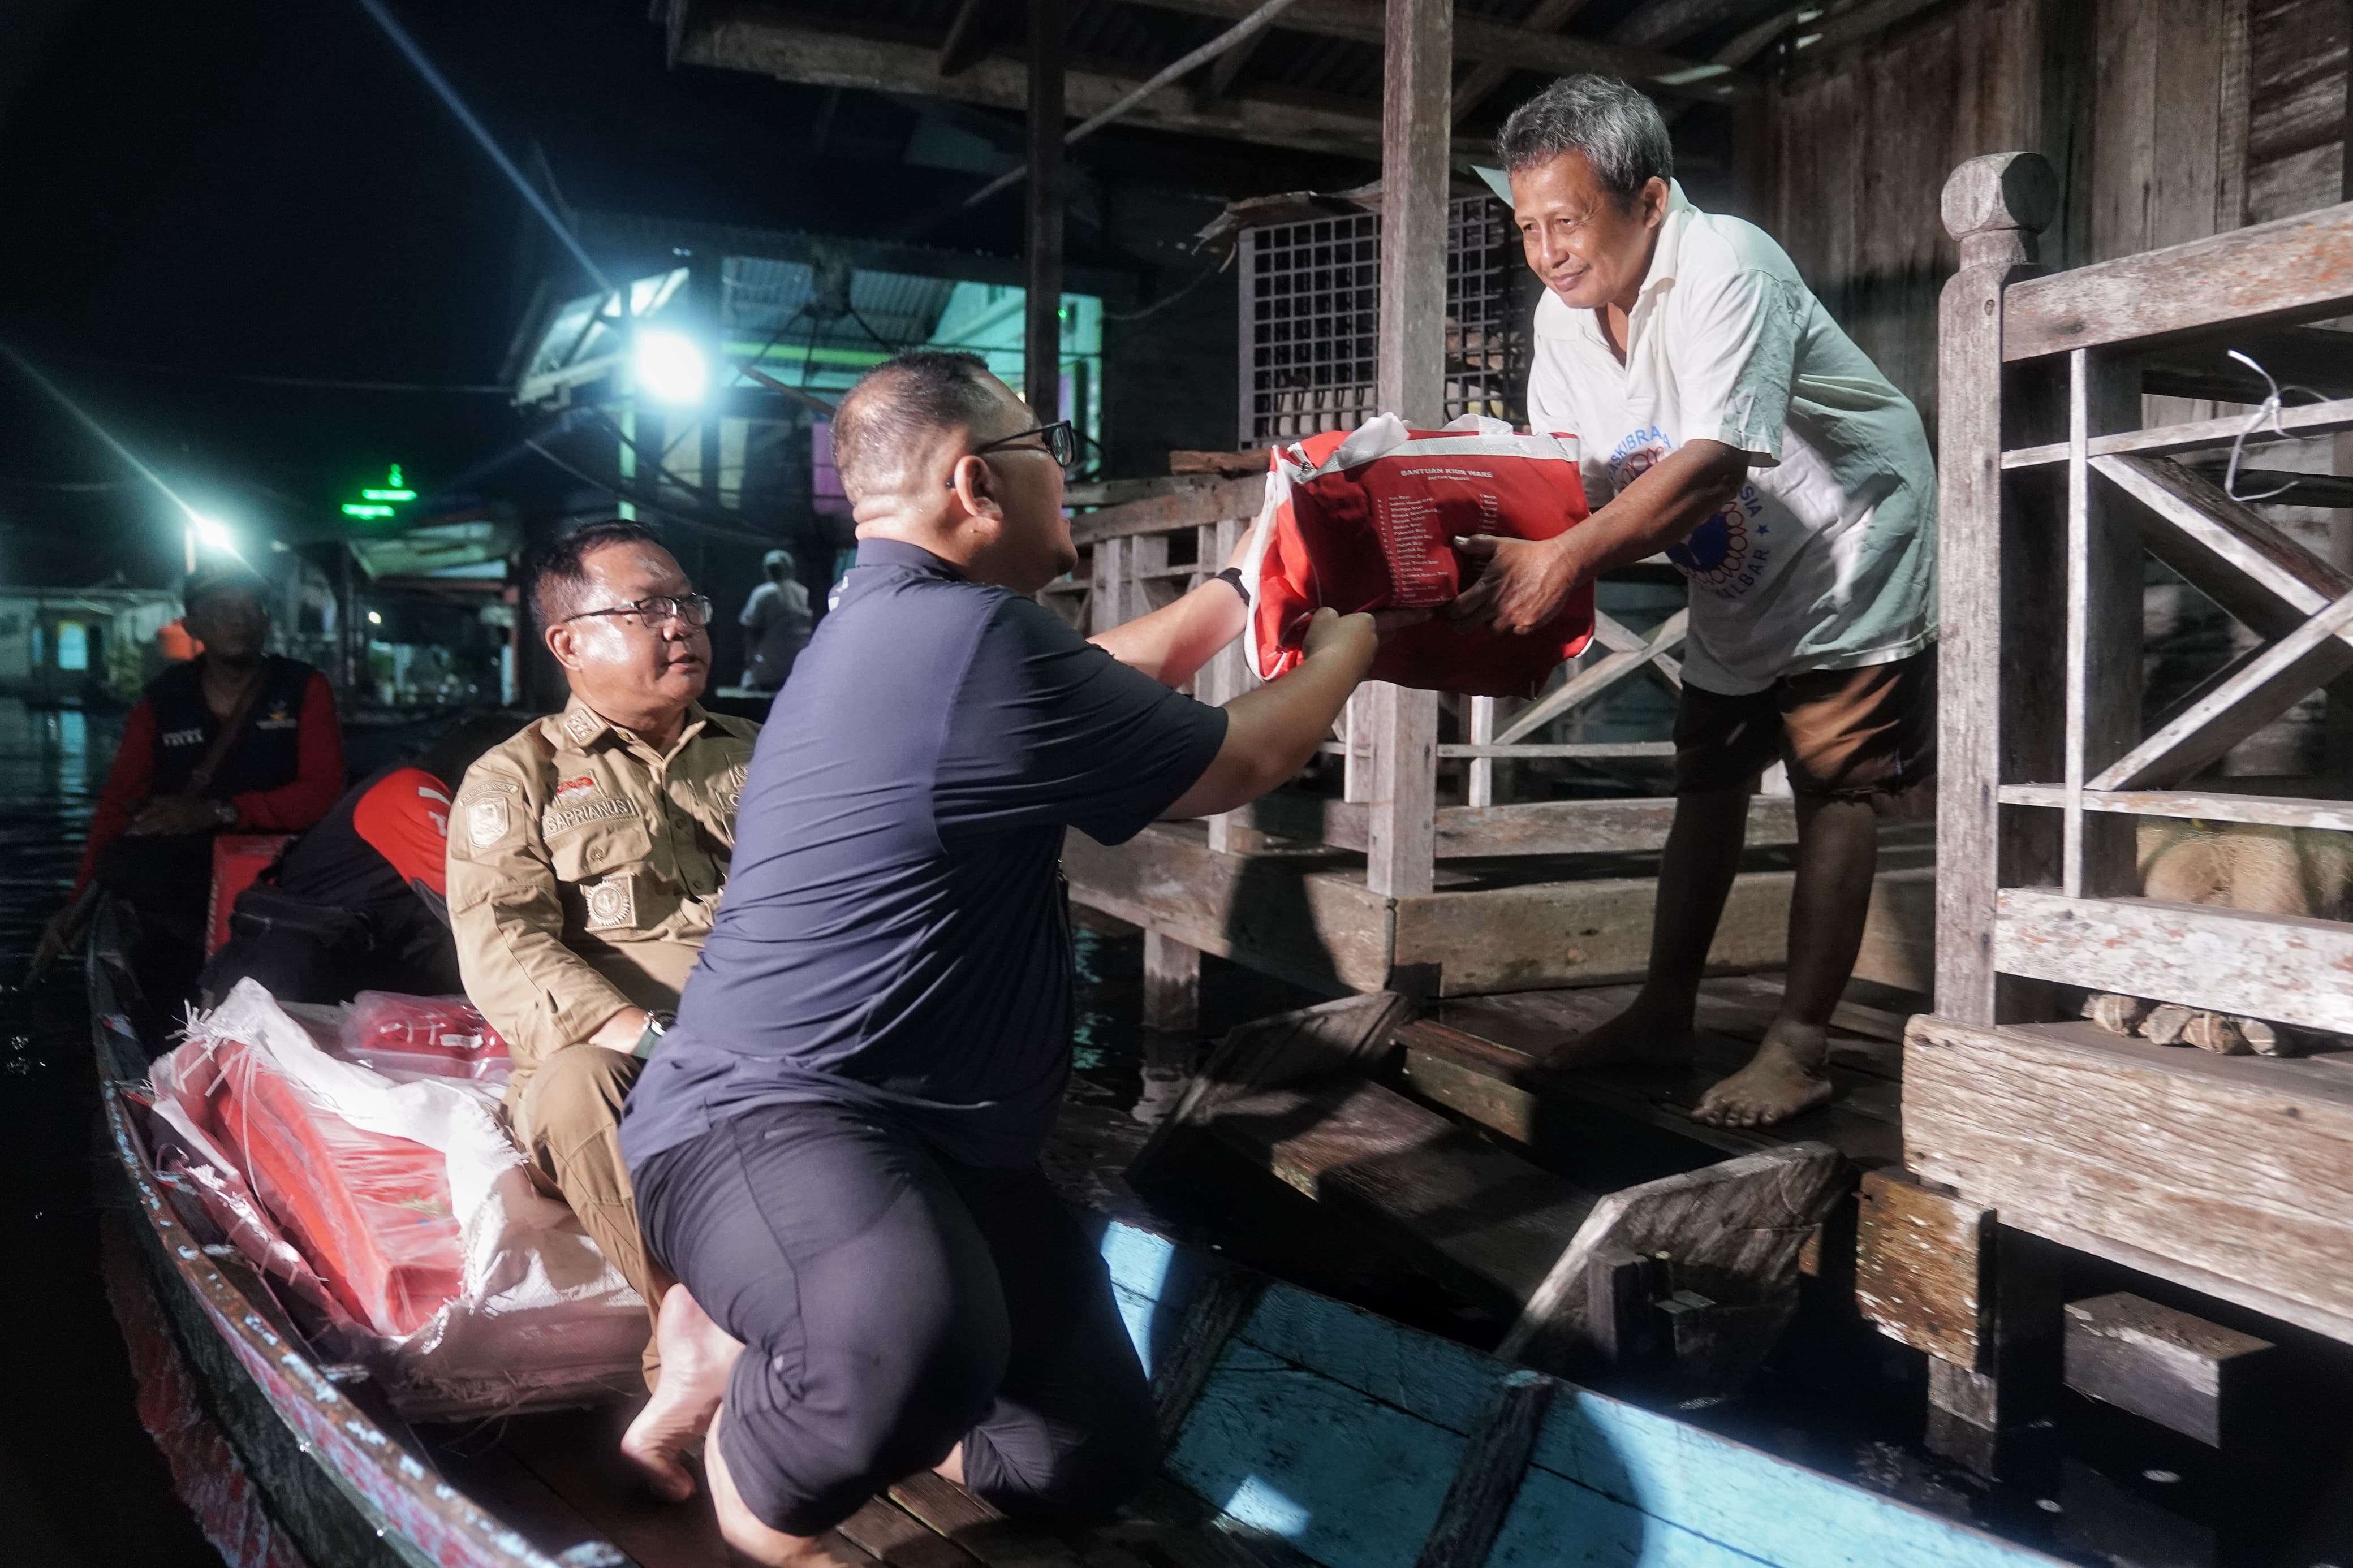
(670, 366)
(376, 618)
(212, 535)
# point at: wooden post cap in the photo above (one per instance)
(2000, 191)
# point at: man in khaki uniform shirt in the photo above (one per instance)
(585, 862)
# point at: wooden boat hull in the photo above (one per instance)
(1307, 1427)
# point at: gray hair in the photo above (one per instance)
(1618, 130)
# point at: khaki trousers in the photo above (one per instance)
(568, 1116)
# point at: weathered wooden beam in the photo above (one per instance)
(2225, 550)
(978, 27)
(1041, 356)
(2197, 435)
(2233, 1175)
(1920, 1261)
(775, 41)
(1487, 1480)
(2266, 687)
(1596, 678)
(1496, 43)
(2230, 961)
(1994, 207)
(1417, 84)
(2297, 268)
(1547, 17)
(1172, 984)
(1663, 24)
(1218, 502)
(2104, 574)
(1732, 1229)
(2203, 806)
(2177, 1370)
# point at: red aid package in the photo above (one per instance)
(371, 1212)
(442, 1035)
(1365, 520)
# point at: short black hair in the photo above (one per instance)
(899, 401)
(563, 569)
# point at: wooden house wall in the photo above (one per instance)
(2168, 120)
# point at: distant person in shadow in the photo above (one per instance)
(775, 622)
(1726, 420)
(237, 740)
(360, 903)
(836, 1150)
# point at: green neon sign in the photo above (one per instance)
(376, 501)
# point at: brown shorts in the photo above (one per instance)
(1844, 733)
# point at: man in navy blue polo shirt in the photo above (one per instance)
(836, 1148)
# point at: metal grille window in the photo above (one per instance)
(1311, 321)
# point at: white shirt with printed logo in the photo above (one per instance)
(1827, 558)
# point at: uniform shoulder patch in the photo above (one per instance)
(488, 818)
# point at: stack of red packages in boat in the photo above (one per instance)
(370, 1214)
(386, 1195)
(1365, 519)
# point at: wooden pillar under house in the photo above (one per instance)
(1042, 367)
(1416, 105)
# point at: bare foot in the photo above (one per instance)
(1784, 1077)
(1653, 1031)
(696, 1356)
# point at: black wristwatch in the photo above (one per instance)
(657, 1026)
(1233, 575)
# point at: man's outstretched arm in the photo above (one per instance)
(1273, 730)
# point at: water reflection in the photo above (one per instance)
(90, 1486)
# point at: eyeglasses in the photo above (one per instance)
(694, 609)
(1061, 443)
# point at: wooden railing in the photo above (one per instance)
(2052, 488)
(1145, 549)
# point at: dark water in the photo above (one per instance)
(80, 1482)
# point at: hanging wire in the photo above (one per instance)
(2266, 412)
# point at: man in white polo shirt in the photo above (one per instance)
(1726, 419)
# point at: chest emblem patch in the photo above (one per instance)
(612, 903)
(573, 788)
(487, 821)
(278, 718)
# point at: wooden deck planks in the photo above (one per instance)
(1482, 1218)
(1488, 1069)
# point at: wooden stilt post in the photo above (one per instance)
(1417, 101)
(1042, 372)
(1994, 207)
(1172, 984)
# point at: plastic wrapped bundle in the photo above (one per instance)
(434, 1036)
(1365, 520)
(380, 1233)
(406, 1212)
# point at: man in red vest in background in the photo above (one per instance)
(236, 740)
